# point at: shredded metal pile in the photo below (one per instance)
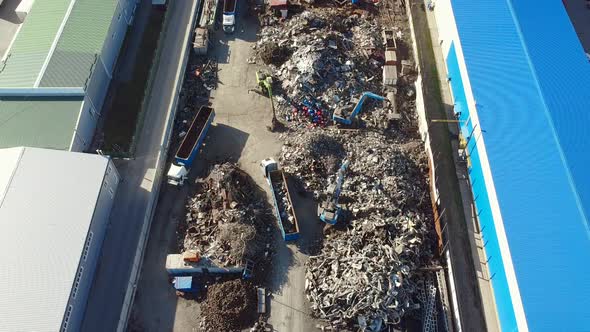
(287, 217)
(226, 221)
(313, 157)
(230, 306)
(366, 273)
(324, 58)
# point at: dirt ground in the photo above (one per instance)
(239, 135)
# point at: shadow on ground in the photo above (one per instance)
(8, 13)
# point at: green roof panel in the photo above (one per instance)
(38, 122)
(33, 43)
(80, 44)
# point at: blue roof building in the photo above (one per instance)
(521, 87)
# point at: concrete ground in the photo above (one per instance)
(132, 208)
(579, 14)
(239, 134)
(9, 24)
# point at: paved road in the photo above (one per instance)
(134, 194)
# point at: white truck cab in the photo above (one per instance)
(268, 165)
(177, 174)
(229, 22)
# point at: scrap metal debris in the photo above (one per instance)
(200, 79)
(365, 276)
(230, 306)
(313, 157)
(324, 58)
(366, 273)
(226, 221)
(285, 207)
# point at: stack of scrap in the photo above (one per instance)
(200, 78)
(365, 275)
(284, 205)
(226, 221)
(323, 58)
(230, 306)
(201, 41)
(313, 157)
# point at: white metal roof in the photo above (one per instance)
(47, 199)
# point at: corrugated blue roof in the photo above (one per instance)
(531, 83)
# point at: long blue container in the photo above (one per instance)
(189, 148)
(277, 176)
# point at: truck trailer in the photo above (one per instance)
(281, 196)
(189, 148)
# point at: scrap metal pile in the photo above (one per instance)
(313, 157)
(200, 78)
(226, 221)
(287, 217)
(324, 58)
(230, 306)
(368, 274)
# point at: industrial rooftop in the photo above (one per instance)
(57, 44)
(45, 122)
(47, 201)
(532, 102)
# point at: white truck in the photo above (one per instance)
(229, 15)
(189, 148)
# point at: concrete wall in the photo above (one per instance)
(447, 30)
(90, 254)
(98, 84)
(84, 132)
(116, 36)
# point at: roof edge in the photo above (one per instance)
(22, 151)
(42, 92)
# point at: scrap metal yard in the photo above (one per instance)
(294, 165)
(329, 88)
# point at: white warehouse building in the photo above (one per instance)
(56, 63)
(54, 212)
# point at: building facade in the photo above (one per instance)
(519, 79)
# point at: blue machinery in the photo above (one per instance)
(340, 117)
(329, 210)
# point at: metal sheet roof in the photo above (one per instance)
(33, 43)
(529, 78)
(44, 217)
(38, 122)
(80, 43)
(76, 34)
